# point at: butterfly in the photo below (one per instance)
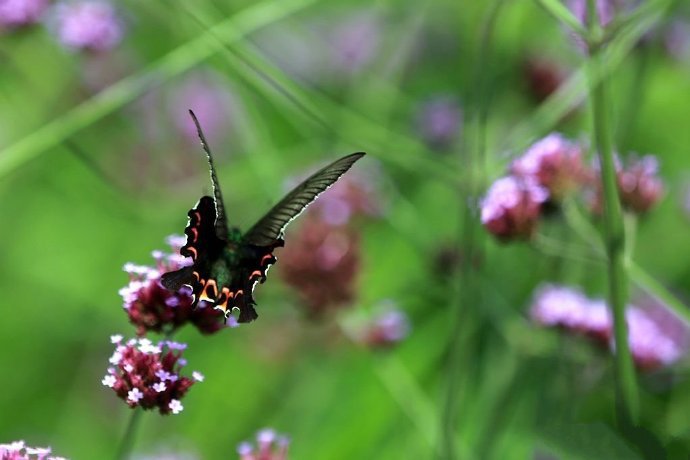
(228, 264)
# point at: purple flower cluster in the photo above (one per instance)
(17, 13)
(148, 376)
(656, 337)
(269, 446)
(553, 169)
(18, 450)
(90, 25)
(151, 307)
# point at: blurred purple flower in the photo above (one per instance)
(639, 183)
(151, 307)
(321, 263)
(217, 109)
(650, 343)
(16, 13)
(270, 446)
(606, 10)
(439, 122)
(355, 42)
(18, 450)
(511, 207)
(562, 306)
(88, 25)
(387, 327)
(656, 336)
(147, 375)
(677, 40)
(554, 163)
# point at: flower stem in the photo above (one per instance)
(626, 384)
(128, 439)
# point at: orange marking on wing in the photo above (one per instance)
(196, 234)
(255, 273)
(193, 250)
(197, 216)
(196, 275)
(209, 296)
(267, 256)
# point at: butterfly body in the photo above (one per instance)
(228, 264)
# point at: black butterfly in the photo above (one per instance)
(228, 264)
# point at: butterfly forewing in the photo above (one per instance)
(271, 226)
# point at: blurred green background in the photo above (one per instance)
(95, 171)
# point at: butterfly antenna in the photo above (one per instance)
(221, 223)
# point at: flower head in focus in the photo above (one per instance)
(18, 13)
(90, 25)
(151, 307)
(149, 375)
(554, 163)
(439, 122)
(511, 207)
(269, 446)
(18, 450)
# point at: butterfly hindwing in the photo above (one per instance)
(203, 246)
(270, 227)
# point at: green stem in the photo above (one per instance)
(614, 235)
(128, 439)
(464, 315)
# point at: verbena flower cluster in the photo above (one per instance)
(89, 25)
(152, 308)
(18, 450)
(439, 122)
(269, 446)
(553, 169)
(656, 337)
(149, 376)
(322, 258)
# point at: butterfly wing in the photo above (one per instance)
(204, 247)
(270, 227)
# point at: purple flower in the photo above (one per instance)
(355, 42)
(270, 446)
(18, 450)
(144, 375)
(439, 122)
(554, 163)
(639, 184)
(213, 103)
(88, 25)
(16, 13)
(321, 263)
(569, 308)
(512, 206)
(656, 336)
(605, 10)
(151, 307)
(386, 328)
